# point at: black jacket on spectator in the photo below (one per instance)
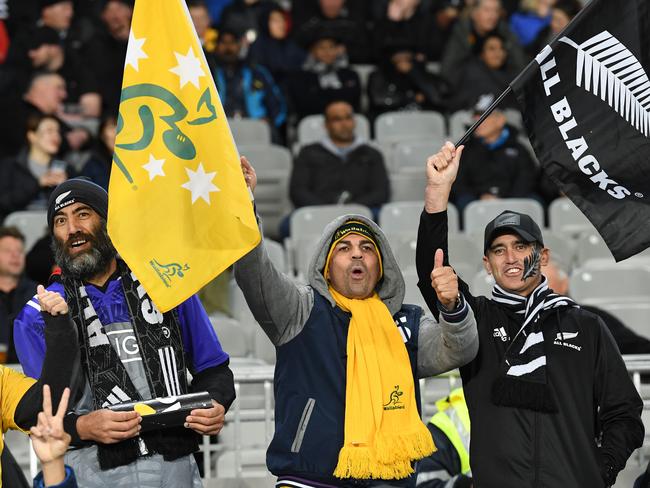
(10, 304)
(13, 128)
(98, 166)
(507, 171)
(311, 92)
(320, 176)
(279, 56)
(104, 56)
(415, 31)
(478, 80)
(390, 90)
(18, 187)
(350, 32)
(459, 49)
(522, 448)
(242, 17)
(628, 341)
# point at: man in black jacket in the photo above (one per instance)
(550, 400)
(15, 288)
(341, 168)
(496, 164)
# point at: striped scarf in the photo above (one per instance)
(522, 383)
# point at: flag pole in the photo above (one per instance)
(483, 116)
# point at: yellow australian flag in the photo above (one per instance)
(179, 210)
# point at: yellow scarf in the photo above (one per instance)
(383, 430)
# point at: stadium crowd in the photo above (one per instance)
(61, 66)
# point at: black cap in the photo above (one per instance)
(518, 223)
(77, 190)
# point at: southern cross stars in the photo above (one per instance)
(154, 167)
(200, 184)
(134, 51)
(188, 68)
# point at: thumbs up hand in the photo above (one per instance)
(51, 302)
(444, 281)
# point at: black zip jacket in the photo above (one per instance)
(598, 424)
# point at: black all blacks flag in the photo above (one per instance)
(586, 105)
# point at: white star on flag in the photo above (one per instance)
(134, 51)
(188, 68)
(154, 167)
(200, 183)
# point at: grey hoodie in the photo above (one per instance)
(282, 306)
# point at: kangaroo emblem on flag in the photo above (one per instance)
(606, 68)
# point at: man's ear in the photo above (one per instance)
(545, 256)
(486, 265)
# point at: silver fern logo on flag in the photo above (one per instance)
(606, 68)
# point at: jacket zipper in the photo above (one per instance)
(302, 426)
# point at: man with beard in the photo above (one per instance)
(129, 351)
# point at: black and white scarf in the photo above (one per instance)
(161, 348)
(522, 382)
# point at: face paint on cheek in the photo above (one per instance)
(532, 264)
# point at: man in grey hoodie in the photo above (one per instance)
(345, 411)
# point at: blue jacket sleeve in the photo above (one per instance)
(29, 338)
(200, 341)
(69, 482)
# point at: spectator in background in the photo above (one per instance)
(342, 168)
(489, 72)
(46, 54)
(403, 83)
(274, 49)
(216, 8)
(27, 180)
(203, 24)
(15, 288)
(561, 14)
(247, 90)
(484, 18)
(105, 53)
(245, 17)
(336, 17)
(73, 34)
(495, 165)
(628, 341)
(44, 95)
(405, 22)
(325, 77)
(531, 18)
(445, 13)
(98, 166)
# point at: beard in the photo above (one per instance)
(85, 264)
